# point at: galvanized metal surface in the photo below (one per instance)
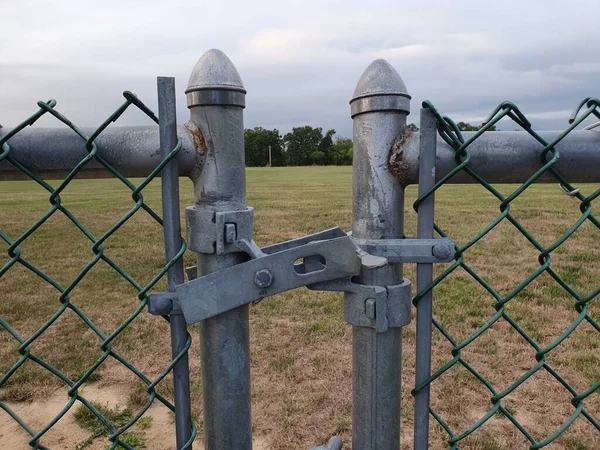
(408, 250)
(134, 151)
(235, 286)
(219, 232)
(335, 443)
(428, 139)
(507, 157)
(378, 207)
(172, 235)
(53, 152)
(256, 252)
(221, 186)
(372, 306)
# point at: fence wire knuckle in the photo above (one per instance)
(451, 134)
(16, 257)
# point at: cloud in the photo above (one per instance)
(300, 60)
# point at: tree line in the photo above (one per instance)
(305, 146)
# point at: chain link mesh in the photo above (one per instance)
(451, 134)
(15, 257)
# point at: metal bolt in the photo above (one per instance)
(442, 251)
(230, 233)
(263, 278)
(370, 308)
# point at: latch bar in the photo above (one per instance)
(248, 282)
(409, 250)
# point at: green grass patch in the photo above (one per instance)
(118, 417)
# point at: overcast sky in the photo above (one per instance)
(300, 60)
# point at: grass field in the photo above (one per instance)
(301, 346)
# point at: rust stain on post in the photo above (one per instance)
(197, 137)
(396, 161)
(199, 146)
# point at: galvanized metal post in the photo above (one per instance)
(379, 109)
(428, 141)
(172, 234)
(216, 98)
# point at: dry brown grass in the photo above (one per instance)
(301, 347)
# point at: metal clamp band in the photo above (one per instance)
(384, 102)
(371, 306)
(219, 232)
(221, 97)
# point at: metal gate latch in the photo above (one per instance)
(319, 257)
(323, 261)
(277, 269)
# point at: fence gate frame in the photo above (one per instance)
(367, 265)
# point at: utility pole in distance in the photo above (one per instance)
(270, 161)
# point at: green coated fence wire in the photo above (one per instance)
(451, 134)
(16, 257)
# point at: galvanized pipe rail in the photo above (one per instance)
(134, 151)
(508, 157)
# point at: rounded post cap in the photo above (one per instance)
(215, 81)
(380, 88)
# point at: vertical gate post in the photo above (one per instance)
(172, 234)
(378, 108)
(427, 155)
(216, 98)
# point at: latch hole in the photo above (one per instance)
(309, 264)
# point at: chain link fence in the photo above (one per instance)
(451, 134)
(64, 303)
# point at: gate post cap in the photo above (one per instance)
(380, 88)
(215, 81)
(214, 70)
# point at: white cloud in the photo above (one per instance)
(300, 60)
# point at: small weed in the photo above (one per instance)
(282, 363)
(86, 419)
(145, 422)
(572, 443)
(133, 439)
(329, 328)
(588, 364)
(138, 395)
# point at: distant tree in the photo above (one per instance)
(303, 146)
(257, 142)
(463, 126)
(318, 158)
(342, 152)
(325, 151)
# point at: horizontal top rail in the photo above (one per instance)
(134, 151)
(504, 157)
(498, 156)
